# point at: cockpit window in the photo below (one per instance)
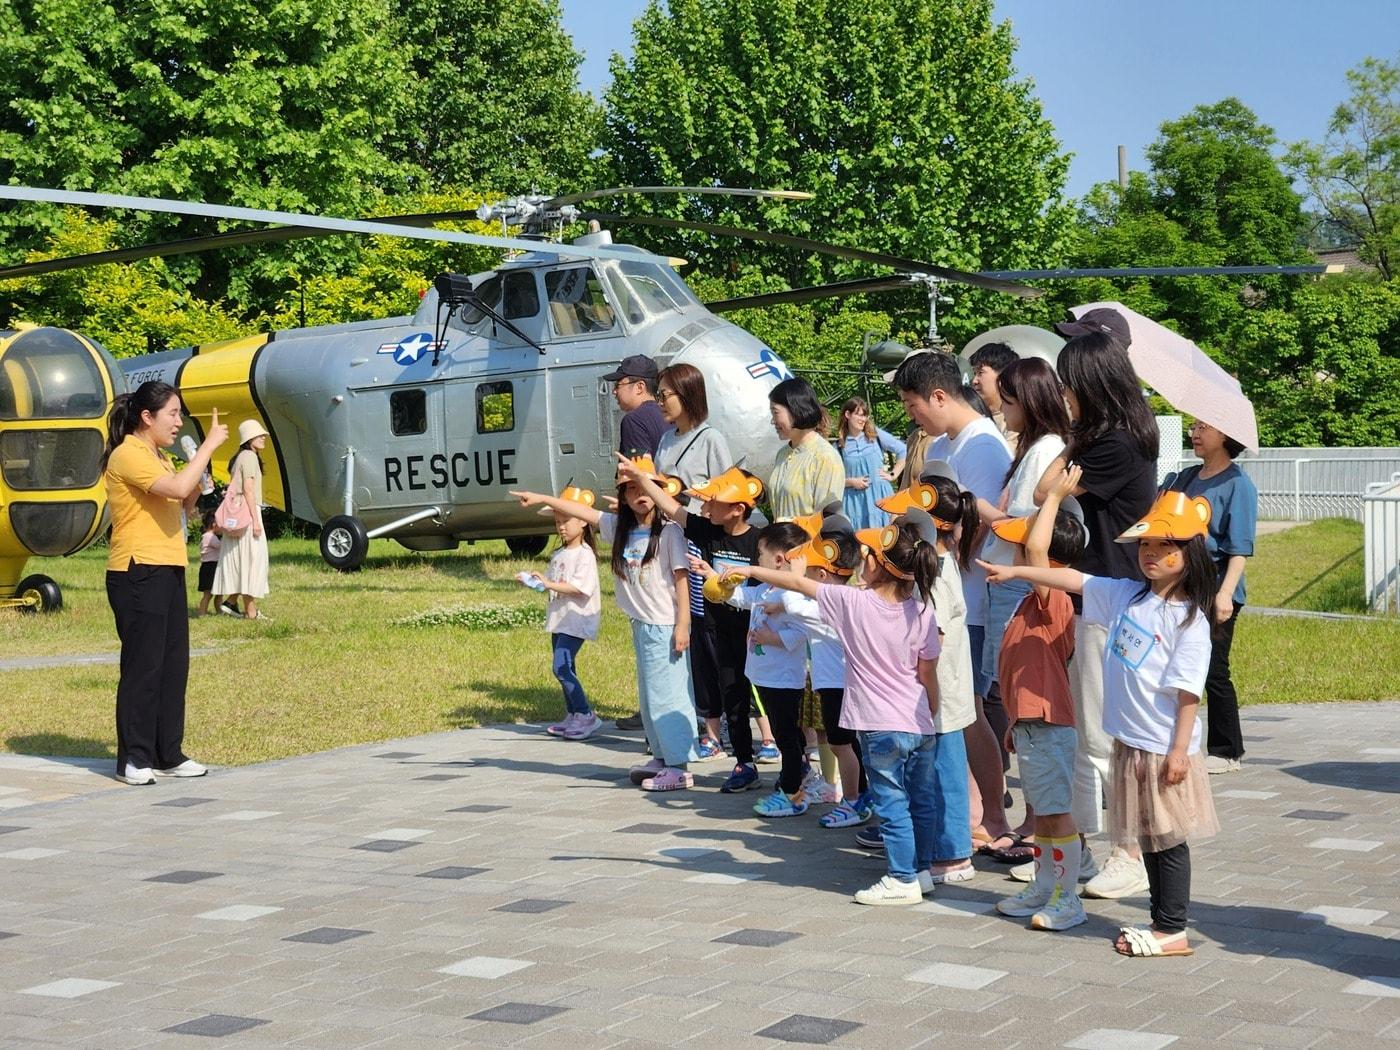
(648, 283)
(48, 373)
(520, 296)
(577, 303)
(490, 292)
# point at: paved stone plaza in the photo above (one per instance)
(496, 887)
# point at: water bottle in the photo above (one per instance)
(190, 449)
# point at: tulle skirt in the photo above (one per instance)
(1143, 808)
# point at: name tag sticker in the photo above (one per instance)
(1132, 642)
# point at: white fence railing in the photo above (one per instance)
(1382, 517)
(1307, 486)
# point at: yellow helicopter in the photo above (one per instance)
(55, 390)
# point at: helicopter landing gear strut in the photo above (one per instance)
(36, 593)
(344, 542)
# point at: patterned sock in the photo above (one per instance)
(1044, 868)
(1065, 856)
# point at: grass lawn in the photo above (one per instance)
(336, 666)
(1318, 566)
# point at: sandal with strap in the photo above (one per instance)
(1018, 852)
(1144, 944)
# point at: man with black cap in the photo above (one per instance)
(1101, 320)
(634, 387)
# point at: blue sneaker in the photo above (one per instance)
(768, 754)
(744, 778)
(781, 804)
(845, 815)
(870, 837)
(708, 750)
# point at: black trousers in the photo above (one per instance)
(784, 708)
(831, 718)
(153, 624)
(717, 654)
(1223, 736)
(1169, 882)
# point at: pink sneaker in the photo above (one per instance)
(584, 727)
(646, 770)
(669, 779)
(560, 728)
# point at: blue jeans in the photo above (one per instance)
(952, 828)
(566, 648)
(1002, 600)
(900, 769)
(663, 686)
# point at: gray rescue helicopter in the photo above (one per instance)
(416, 427)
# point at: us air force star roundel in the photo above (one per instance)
(408, 349)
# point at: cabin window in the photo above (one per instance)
(577, 303)
(495, 408)
(408, 412)
(47, 373)
(51, 459)
(520, 298)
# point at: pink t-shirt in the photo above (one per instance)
(209, 546)
(883, 644)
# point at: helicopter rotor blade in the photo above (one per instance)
(1161, 271)
(192, 245)
(992, 284)
(316, 222)
(716, 191)
(820, 291)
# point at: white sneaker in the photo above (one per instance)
(1122, 876)
(1062, 912)
(135, 775)
(584, 727)
(817, 789)
(188, 768)
(1029, 901)
(890, 891)
(1221, 764)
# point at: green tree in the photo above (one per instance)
(1354, 173)
(282, 104)
(905, 119)
(497, 102)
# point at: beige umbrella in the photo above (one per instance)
(1181, 372)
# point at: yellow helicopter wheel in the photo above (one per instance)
(37, 593)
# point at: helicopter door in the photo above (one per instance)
(406, 422)
(496, 441)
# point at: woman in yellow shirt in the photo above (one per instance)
(146, 559)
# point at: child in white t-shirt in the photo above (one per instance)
(653, 588)
(575, 607)
(1154, 670)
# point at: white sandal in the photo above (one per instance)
(1144, 944)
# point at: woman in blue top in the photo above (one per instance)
(863, 447)
(1234, 509)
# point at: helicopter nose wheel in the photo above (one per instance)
(38, 594)
(344, 543)
(527, 546)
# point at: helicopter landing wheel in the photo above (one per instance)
(38, 593)
(526, 546)
(344, 543)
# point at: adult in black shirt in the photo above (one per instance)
(1114, 440)
(634, 387)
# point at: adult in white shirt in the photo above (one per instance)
(930, 386)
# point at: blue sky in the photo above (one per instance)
(1110, 71)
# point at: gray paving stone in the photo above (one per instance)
(518, 1013)
(532, 906)
(443, 776)
(327, 935)
(804, 1028)
(478, 808)
(386, 845)
(1316, 814)
(452, 872)
(757, 938)
(400, 754)
(185, 802)
(184, 877)
(216, 1025)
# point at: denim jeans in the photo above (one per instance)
(663, 685)
(952, 828)
(900, 768)
(566, 648)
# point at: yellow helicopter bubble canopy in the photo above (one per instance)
(55, 390)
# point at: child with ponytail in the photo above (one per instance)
(890, 634)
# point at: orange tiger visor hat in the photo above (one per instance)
(573, 494)
(645, 465)
(1175, 516)
(1015, 530)
(735, 485)
(820, 553)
